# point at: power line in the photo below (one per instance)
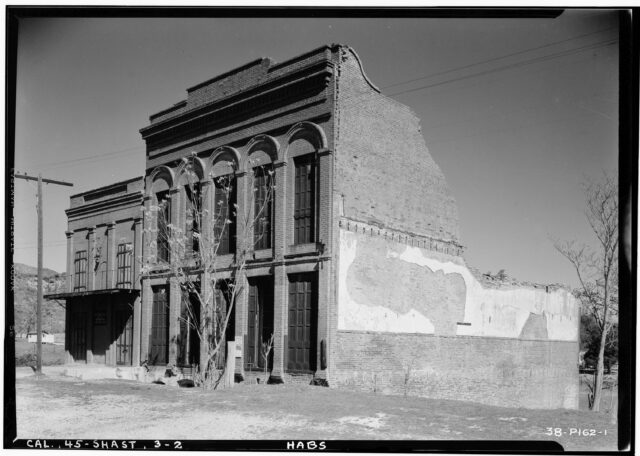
(496, 58)
(40, 180)
(92, 157)
(510, 66)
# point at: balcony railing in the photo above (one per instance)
(116, 279)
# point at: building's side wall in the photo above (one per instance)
(495, 371)
(411, 314)
(384, 172)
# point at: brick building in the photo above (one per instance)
(360, 279)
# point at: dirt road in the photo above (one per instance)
(63, 407)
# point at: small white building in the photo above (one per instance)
(47, 338)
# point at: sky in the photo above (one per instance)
(518, 113)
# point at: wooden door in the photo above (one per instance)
(78, 335)
(302, 323)
(123, 325)
(260, 322)
(101, 333)
(159, 347)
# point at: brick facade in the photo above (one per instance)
(374, 179)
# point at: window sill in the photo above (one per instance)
(262, 254)
(304, 249)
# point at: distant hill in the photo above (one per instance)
(25, 295)
(26, 270)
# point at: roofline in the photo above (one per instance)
(228, 73)
(133, 179)
(275, 65)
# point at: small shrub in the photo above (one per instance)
(26, 359)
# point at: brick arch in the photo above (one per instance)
(306, 131)
(227, 154)
(263, 149)
(197, 166)
(161, 178)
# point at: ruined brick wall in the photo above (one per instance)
(496, 371)
(384, 171)
(404, 307)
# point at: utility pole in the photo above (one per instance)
(40, 237)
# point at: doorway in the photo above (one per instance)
(302, 323)
(260, 323)
(77, 334)
(100, 333)
(123, 327)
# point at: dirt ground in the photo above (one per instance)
(64, 407)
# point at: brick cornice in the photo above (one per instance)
(446, 246)
(244, 97)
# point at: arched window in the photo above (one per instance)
(262, 153)
(304, 209)
(224, 165)
(224, 218)
(163, 220)
(161, 183)
(189, 180)
(304, 141)
(193, 217)
(263, 182)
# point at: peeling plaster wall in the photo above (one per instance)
(398, 312)
(390, 287)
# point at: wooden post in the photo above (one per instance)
(40, 237)
(229, 370)
(39, 303)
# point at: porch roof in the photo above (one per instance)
(78, 294)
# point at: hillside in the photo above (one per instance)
(25, 293)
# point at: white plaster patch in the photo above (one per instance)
(491, 312)
(361, 317)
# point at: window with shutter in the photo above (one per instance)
(224, 214)
(163, 219)
(192, 217)
(262, 210)
(123, 260)
(80, 269)
(304, 200)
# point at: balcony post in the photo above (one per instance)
(70, 265)
(111, 256)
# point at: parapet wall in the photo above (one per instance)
(385, 174)
(417, 321)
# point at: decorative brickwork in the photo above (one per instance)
(363, 213)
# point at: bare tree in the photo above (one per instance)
(192, 253)
(597, 268)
